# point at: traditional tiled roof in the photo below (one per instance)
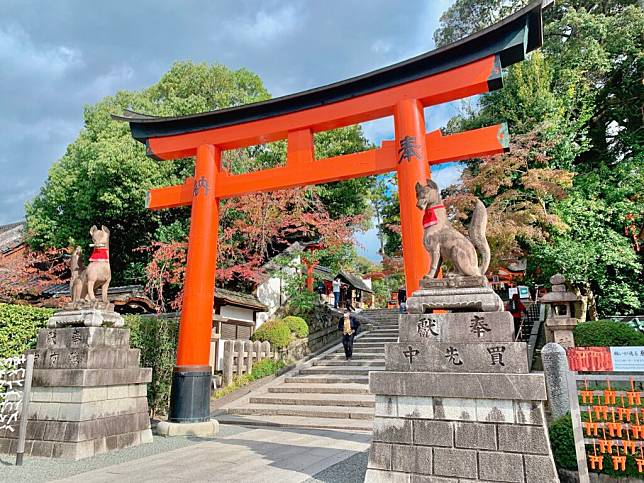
(239, 298)
(325, 273)
(11, 236)
(137, 291)
(355, 281)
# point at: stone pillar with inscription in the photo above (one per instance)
(89, 395)
(456, 401)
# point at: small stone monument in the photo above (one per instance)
(89, 395)
(456, 401)
(563, 312)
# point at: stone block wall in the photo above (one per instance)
(89, 395)
(455, 439)
(456, 403)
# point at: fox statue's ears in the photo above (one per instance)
(105, 229)
(419, 187)
(431, 184)
(92, 229)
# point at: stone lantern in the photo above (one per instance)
(563, 312)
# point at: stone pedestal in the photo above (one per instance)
(456, 401)
(86, 318)
(89, 395)
(482, 299)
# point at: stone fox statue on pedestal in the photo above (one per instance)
(443, 241)
(97, 274)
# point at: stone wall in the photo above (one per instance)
(456, 401)
(323, 327)
(446, 439)
(89, 395)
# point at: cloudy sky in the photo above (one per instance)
(57, 56)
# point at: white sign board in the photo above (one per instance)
(12, 378)
(627, 359)
(512, 291)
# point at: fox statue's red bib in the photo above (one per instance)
(430, 218)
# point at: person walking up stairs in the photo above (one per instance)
(329, 391)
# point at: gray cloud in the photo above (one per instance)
(57, 56)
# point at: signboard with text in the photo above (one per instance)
(606, 359)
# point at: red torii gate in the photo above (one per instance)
(465, 68)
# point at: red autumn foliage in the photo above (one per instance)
(26, 276)
(251, 229)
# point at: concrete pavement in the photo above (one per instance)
(258, 455)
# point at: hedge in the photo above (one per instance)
(156, 337)
(606, 333)
(274, 331)
(297, 325)
(19, 326)
(563, 449)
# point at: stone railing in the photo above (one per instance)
(239, 356)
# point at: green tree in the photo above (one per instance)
(580, 102)
(465, 17)
(104, 175)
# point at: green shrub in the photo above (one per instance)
(563, 443)
(266, 367)
(297, 325)
(274, 331)
(19, 326)
(606, 333)
(156, 337)
(563, 449)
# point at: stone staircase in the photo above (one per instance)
(326, 392)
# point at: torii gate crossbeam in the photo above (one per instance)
(465, 68)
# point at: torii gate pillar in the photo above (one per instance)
(190, 395)
(409, 124)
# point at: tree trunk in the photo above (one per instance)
(592, 313)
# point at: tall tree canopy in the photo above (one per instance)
(104, 176)
(569, 194)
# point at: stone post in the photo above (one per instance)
(229, 346)
(555, 368)
(239, 349)
(249, 358)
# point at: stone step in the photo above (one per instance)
(304, 411)
(377, 339)
(356, 356)
(297, 422)
(359, 343)
(327, 379)
(340, 362)
(346, 400)
(368, 349)
(294, 388)
(336, 371)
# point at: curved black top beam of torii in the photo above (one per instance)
(510, 40)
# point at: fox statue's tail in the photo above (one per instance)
(477, 235)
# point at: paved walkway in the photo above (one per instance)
(257, 455)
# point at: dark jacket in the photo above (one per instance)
(355, 325)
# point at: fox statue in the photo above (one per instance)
(444, 242)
